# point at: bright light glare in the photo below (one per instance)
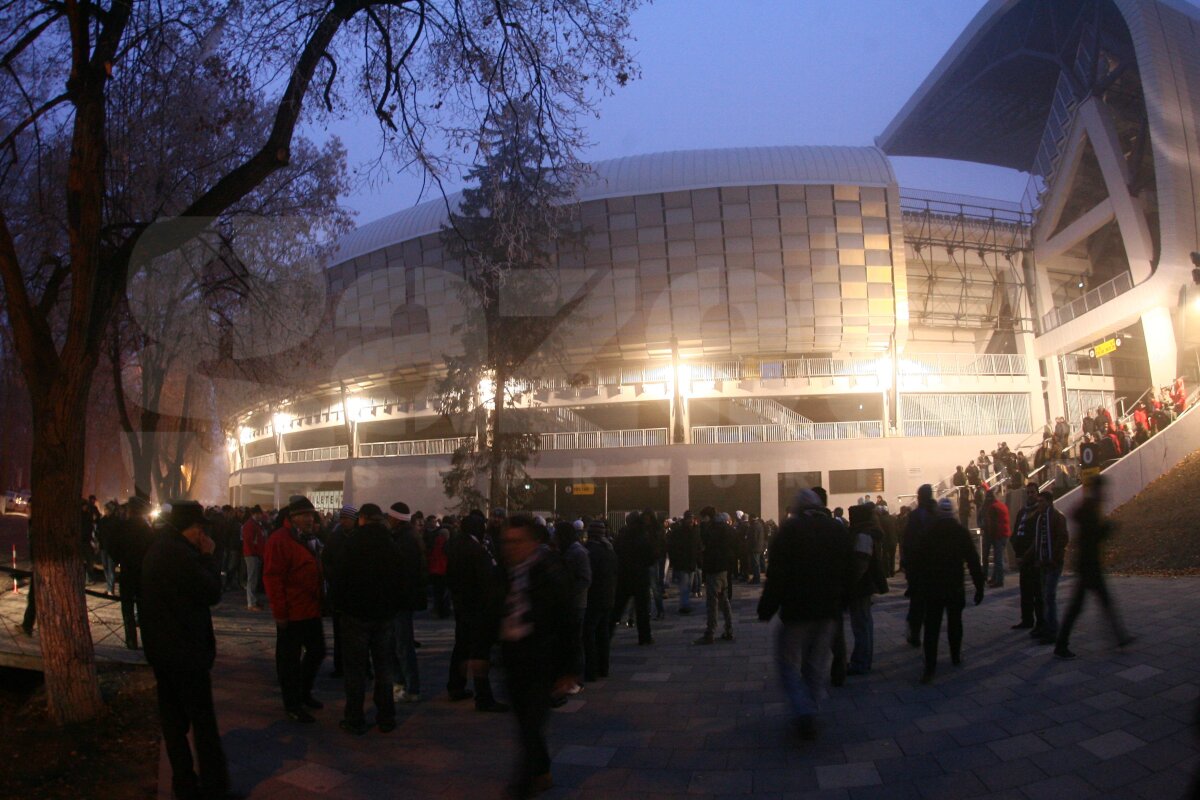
(281, 420)
(487, 391)
(356, 404)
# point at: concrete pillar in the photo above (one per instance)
(768, 489)
(679, 481)
(278, 499)
(1055, 389)
(1161, 348)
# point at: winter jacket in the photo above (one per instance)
(292, 577)
(1023, 530)
(579, 568)
(720, 547)
(254, 538)
(370, 575)
(1000, 523)
(415, 580)
(179, 584)
(811, 569)
(683, 546)
(477, 587)
(547, 645)
(131, 540)
(938, 562)
(602, 592)
(635, 554)
(1050, 538)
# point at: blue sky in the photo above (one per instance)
(717, 73)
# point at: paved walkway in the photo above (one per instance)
(680, 720)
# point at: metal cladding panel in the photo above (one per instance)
(655, 173)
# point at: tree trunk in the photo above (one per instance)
(143, 454)
(497, 485)
(68, 657)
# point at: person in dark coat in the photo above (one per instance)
(719, 560)
(477, 590)
(1093, 530)
(1049, 553)
(416, 593)
(128, 544)
(335, 545)
(180, 581)
(535, 644)
(810, 569)
(868, 555)
(578, 565)
(938, 560)
(919, 521)
(635, 556)
(601, 595)
(1023, 529)
(683, 548)
(368, 573)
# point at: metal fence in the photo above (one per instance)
(816, 431)
(317, 454)
(1093, 299)
(963, 364)
(261, 461)
(964, 414)
(414, 447)
(590, 440)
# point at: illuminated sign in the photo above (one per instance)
(1107, 347)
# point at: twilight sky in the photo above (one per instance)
(717, 73)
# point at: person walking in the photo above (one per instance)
(810, 569)
(996, 516)
(938, 561)
(476, 587)
(635, 555)
(369, 575)
(1049, 554)
(534, 636)
(292, 575)
(601, 595)
(331, 555)
(180, 581)
(868, 552)
(579, 569)
(404, 665)
(1093, 529)
(719, 560)
(918, 523)
(1023, 525)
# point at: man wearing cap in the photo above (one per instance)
(335, 546)
(937, 561)
(254, 543)
(369, 573)
(810, 570)
(416, 598)
(180, 581)
(292, 575)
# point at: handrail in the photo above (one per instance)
(411, 447)
(1090, 301)
(815, 431)
(333, 453)
(261, 461)
(589, 440)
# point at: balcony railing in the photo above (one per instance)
(416, 447)
(1091, 300)
(261, 461)
(817, 431)
(963, 364)
(1075, 364)
(590, 440)
(316, 454)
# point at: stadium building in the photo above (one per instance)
(759, 319)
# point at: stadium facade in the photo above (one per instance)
(759, 319)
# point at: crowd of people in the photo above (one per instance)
(549, 595)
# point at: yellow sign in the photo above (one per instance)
(583, 489)
(1106, 347)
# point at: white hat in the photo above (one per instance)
(578, 524)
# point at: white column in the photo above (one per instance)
(768, 488)
(1055, 388)
(679, 481)
(1161, 348)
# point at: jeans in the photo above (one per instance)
(404, 654)
(756, 567)
(715, 584)
(684, 579)
(933, 628)
(1050, 576)
(529, 687)
(363, 642)
(1031, 594)
(998, 548)
(804, 654)
(296, 672)
(185, 703)
(657, 584)
(253, 573)
(987, 544)
(596, 642)
(110, 570)
(863, 626)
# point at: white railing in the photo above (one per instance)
(773, 411)
(415, 447)
(1095, 298)
(590, 440)
(261, 461)
(816, 431)
(964, 414)
(962, 364)
(317, 454)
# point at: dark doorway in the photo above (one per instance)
(728, 493)
(792, 482)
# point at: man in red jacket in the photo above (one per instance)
(292, 576)
(254, 543)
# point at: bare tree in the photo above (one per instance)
(429, 71)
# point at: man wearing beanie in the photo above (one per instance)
(292, 575)
(180, 581)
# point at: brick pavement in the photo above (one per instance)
(681, 720)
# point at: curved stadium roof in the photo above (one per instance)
(659, 172)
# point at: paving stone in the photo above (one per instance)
(1139, 673)
(585, 756)
(843, 776)
(710, 782)
(315, 778)
(1018, 746)
(1111, 744)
